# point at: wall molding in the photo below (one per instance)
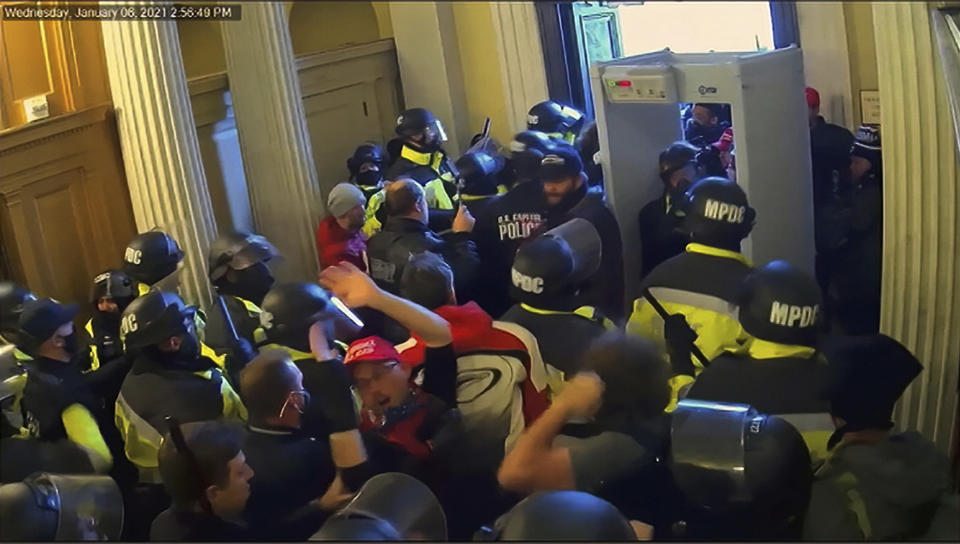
(521, 59)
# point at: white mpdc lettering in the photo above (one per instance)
(721, 211)
(788, 315)
(526, 283)
(132, 256)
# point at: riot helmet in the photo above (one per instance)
(155, 317)
(477, 173)
(676, 156)
(366, 165)
(289, 309)
(549, 269)
(780, 303)
(113, 285)
(151, 256)
(744, 475)
(417, 122)
(553, 118)
(48, 507)
(247, 256)
(12, 299)
(717, 213)
(562, 516)
(390, 506)
(526, 152)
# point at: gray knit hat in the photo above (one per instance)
(343, 198)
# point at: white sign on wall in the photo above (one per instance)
(870, 107)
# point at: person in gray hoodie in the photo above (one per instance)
(876, 485)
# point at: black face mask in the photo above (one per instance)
(189, 348)
(370, 178)
(253, 282)
(70, 344)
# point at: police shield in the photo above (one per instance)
(708, 451)
(404, 503)
(89, 507)
(583, 240)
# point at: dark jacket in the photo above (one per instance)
(605, 289)
(53, 386)
(858, 275)
(174, 525)
(897, 489)
(389, 251)
(702, 136)
(499, 231)
(434, 171)
(290, 470)
(246, 321)
(562, 337)
(830, 158)
(660, 234)
(21, 457)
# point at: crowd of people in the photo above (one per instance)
(468, 365)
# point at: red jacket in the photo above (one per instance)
(482, 345)
(335, 245)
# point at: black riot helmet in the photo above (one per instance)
(526, 152)
(115, 285)
(154, 317)
(780, 303)
(549, 269)
(151, 256)
(743, 475)
(477, 173)
(562, 516)
(676, 156)
(390, 506)
(554, 118)
(289, 309)
(48, 507)
(420, 121)
(12, 299)
(238, 251)
(366, 165)
(717, 213)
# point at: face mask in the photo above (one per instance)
(370, 178)
(253, 282)
(70, 344)
(189, 347)
(305, 395)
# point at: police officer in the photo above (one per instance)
(12, 299)
(565, 196)
(112, 292)
(555, 120)
(62, 507)
(423, 159)
(508, 221)
(239, 269)
(661, 219)
(700, 284)
(56, 402)
(781, 373)
(169, 377)
(546, 279)
(299, 319)
(151, 257)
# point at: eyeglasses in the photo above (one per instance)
(377, 375)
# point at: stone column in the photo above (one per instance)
(920, 302)
(277, 156)
(158, 139)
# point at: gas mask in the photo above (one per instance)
(369, 175)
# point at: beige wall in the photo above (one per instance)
(862, 50)
(201, 47)
(322, 26)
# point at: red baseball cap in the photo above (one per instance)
(372, 349)
(813, 98)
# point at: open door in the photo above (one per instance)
(598, 37)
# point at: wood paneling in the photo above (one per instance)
(66, 211)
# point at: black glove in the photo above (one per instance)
(680, 340)
(331, 401)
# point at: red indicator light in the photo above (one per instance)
(624, 83)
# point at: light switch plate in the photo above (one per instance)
(36, 108)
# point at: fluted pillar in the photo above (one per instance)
(277, 156)
(158, 139)
(921, 215)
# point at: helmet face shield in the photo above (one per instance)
(434, 132)
(257, 250)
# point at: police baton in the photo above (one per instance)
(662, 312)
(240, 350)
